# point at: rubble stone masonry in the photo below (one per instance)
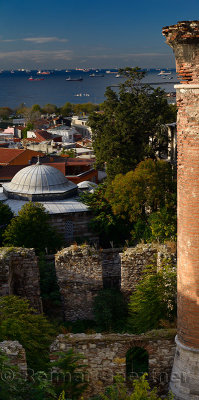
(105, 355)
(19, 274)
(82, 271)
(17, 357)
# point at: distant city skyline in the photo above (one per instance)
(44, 34)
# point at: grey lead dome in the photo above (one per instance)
(39, 182)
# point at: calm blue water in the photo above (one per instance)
(15, 88)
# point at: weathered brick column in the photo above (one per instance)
(184, 39)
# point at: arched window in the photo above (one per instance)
(137, 362)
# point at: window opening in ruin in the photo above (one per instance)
(137, 362)
(69, 230)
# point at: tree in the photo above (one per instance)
(49, 109)
(70, 374)
(32, 228)
(154, 301)
(114, 315)
(121, 133)
(146, 197)
(18, 321)
(86, 108)
(5, 217)
(66, 110)
(109, 226)
(5, 112)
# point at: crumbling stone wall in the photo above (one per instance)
(111, 268)
(19, 274)
(16, 355)
(82, 271)
(135, 259)
(79, 275)
(105, 355)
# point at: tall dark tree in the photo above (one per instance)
(127, 130)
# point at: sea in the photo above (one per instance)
(16, 87)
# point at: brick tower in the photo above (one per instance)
(184, 40)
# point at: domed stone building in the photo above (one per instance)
(59, 196)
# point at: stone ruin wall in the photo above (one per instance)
(82, 271)
(16, 355)
(105, 356)
(19, 274)
(79, 275)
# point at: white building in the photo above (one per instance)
(81, 125)
(66, 132)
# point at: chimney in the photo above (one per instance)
(184, 40)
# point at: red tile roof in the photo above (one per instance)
(7, 155)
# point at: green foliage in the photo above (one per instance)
(72, 379)
(121, 133)
(163, 224)
(146, 197)
(62, 396)
(49, 109)
(5, 217)
(109, 226)
(110, 311)
(29, 127)
(18, 321)
(31, 228)
(69, 152)
(36, 107)
(67, 109)
(85, 108)
(153, 303)
(5, 112)
(141, 390)
(42, 385)
(49, 287)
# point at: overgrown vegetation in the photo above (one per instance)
(154, 302)
(140, 390)
(110, 311)
(39, 385)
(50, 293)
(140, 205)
(18, 321)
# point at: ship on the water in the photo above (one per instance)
(35, 79)
(164, 73)
(74, 79)
(43, 72)
(96, 75)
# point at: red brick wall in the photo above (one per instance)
(184, 39)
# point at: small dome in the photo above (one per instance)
(39, 182)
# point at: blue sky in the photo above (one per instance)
(84, 33)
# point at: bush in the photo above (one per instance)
(141, 390)
(18, 321)
(154, 300)
(110, 310)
